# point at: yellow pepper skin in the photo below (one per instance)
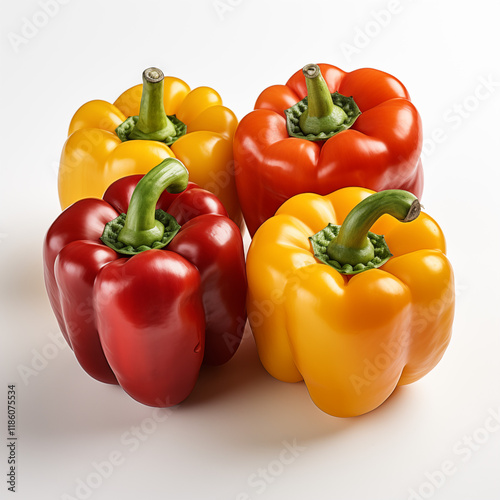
(352, 339)
(93, 156)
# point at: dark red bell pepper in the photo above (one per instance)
(144, 298)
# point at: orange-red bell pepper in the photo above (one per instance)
(311, 136)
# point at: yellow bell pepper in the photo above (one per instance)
(351, 319)
(149, 122)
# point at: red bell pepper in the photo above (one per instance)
(136, 311)
(318, 135)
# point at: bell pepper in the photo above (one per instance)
(146, 285)
(161, 118)
(350, 312)
(324, 130)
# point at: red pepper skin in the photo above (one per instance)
(380, 151)
(149, 321)
(76, 268)
(84, 223)
(221, 275)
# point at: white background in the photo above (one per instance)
(230, 440)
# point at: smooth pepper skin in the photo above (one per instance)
(351, 339)
(380, 151)
(93, 156)
(148, 321)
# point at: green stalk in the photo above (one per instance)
(320, 115)
(152, 124)
(352, 245)
(144, 227)
(351, 248)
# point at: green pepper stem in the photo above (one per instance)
(352, 245)
(321, 114)
(153, 123)
(141, 227)
(319, 98)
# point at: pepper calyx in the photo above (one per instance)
(125, 129)
(322, 239)
(345, 104)
(321, 114)
(113, 228)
